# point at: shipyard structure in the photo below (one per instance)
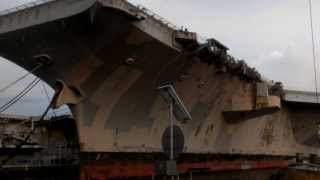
(150, 100)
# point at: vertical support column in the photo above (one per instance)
(171, 129)
(171, 132)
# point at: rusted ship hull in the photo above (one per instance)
(51, 148)
(110, 56)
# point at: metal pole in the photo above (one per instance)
(171, 130)
(315, 64)
(32, 124)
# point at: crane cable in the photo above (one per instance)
(23, 92)
(15, 99)
(48, 98)
(313, 51)
(20, 79)
(28, 136)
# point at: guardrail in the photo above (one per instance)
(31, 164)
(24, 6)
(156, 16)
(140, 7)
(162, 20)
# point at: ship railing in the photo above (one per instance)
(42, 163)
(201, 39)
(140, 7)
(24, 6)
(156, 16)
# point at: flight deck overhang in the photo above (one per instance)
(40, 12)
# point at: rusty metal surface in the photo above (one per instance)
(300, 175)
(51, 144)
(138, 170)
(117, 62)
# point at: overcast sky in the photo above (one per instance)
(271, 35)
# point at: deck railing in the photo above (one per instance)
(140, 7)
(157, 17)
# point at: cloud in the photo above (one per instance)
(291, 66)
(276, 55)
(273, 36)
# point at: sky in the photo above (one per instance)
(271, 35)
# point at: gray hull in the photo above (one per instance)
(113, 56)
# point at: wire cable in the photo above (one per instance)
(17, 98)
(26, 92)
(20, 95)
(19, 79)
(26, 139)
(313, 51)
(48, 97)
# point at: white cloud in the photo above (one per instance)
(273, 35)
(276, 55)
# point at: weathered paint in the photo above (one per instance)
(301, 175)
(138, 170)
(121, 110)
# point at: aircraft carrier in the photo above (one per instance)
(150, 100)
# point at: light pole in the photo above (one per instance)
(178, 111)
